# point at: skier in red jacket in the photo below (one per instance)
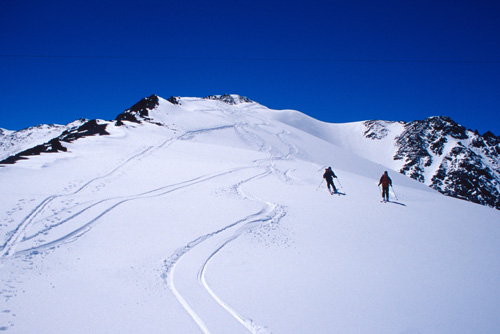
(385, 181)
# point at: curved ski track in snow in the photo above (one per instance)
(116, 201)
(270, 213)
(17, 236)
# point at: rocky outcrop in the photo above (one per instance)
(139, 110)
(232, 99)
(88, 128)
(456, 162)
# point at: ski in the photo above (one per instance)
(336, 193)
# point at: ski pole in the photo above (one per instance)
(394, 193)
(339, 182)
(320, 184)
(336, 177)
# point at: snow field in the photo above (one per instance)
(214, 223)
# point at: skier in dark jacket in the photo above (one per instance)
(385, 181)
(328, 176)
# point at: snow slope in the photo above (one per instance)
(210, 218)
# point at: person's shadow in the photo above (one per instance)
(398, 203)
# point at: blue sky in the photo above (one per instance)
(337, 61)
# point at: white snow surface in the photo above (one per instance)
(216, 222)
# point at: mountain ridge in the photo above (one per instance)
(436, 151)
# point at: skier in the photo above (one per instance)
(328, 176)
(385, 181)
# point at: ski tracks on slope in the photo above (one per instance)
(208, 246)
(271, 213)
(105, 206)
(18, 234)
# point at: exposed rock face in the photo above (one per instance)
(232, 99)
(66, 134)
(83, 128)
(89, 128)
(139, 110)
(376, 129)
(443, 154)
(13, 142)
(465, 174)
(174, 100)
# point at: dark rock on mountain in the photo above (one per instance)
(232, 99)
(143, 107)
(174, 100)
(458, 162)
(376, 129)
(139, 110)
(421, 140)
(464, 174)
(13, 142)
(126, 117)
(89, 128)
(52, 146)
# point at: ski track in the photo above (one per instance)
(270, 213)
(18, 234)
(118, 201)
(273, 215)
